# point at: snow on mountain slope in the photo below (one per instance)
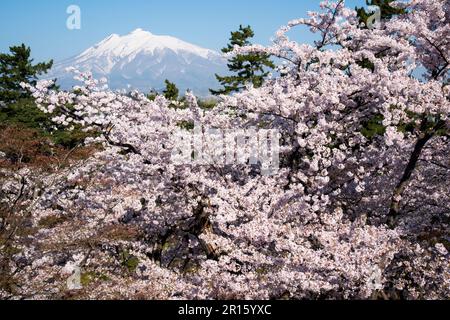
(142, 60)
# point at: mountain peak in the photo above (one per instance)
(140, 41)
(145, 60)
(140, 31)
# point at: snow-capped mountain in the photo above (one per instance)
(142, 60)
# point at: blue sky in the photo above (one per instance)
(41, 24)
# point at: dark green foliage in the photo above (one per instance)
(186, 125)
(373, 127)
(69, 139)
(207, 104)
(88, 278)
(25, 113)
(17, 107)
(128, 260)
(152, 95)
(248, 68)
(367, 64)
(387, 12)
(417, 123)
(171, 92)
(18, 67)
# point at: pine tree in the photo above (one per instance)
(171, 92)
(387, 12)
(18, 67)
(248, 68)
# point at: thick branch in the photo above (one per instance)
(423, 139)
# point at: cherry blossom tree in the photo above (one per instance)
(360, 198)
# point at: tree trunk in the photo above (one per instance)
(394, 211)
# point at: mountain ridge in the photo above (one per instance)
(142, 60)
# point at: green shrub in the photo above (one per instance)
(26, 114)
